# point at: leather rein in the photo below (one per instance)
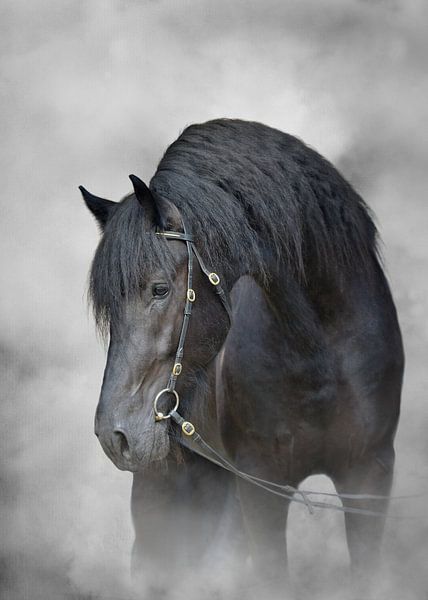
(200, 446)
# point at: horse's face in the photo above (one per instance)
(144, 337)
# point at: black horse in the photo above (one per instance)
(306, 379)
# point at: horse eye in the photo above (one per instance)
(160, 290)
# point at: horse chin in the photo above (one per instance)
(156, 455)
(153, 450)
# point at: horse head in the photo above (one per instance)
(139, 290)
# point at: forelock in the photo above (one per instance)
(126, 256)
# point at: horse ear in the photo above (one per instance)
(99, 207)
(147, 202)
(162, 213)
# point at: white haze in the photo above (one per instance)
(95, 90)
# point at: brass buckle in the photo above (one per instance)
(188, 428)
(214, 278)
(159, 416)
(178, 367)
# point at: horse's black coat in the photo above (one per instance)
(308, 378)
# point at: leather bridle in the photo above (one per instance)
(214, 279)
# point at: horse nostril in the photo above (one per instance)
(121, 442)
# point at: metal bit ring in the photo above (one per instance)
(159, 416)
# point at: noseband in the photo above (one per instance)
(214, 279)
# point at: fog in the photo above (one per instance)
(92, 91)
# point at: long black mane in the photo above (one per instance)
(241, 187)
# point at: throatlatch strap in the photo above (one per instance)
(214, 279)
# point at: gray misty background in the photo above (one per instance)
(92, 91)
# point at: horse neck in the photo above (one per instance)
(299, 316)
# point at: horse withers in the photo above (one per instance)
(304, 379)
